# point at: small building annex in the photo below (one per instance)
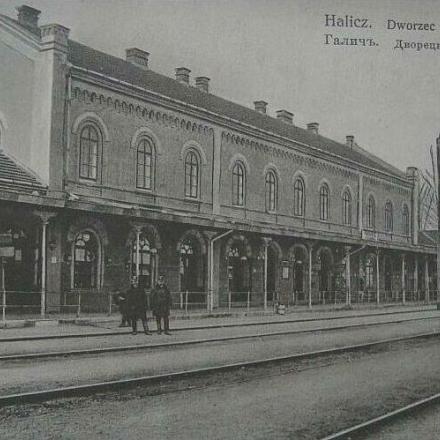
(109, 169)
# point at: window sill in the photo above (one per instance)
(144, 190)
(192, 199)
(88, 182)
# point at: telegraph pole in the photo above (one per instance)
(438, 220)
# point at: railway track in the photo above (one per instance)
(218, 326)
(377, 422)
(174, 344)
(122, 384)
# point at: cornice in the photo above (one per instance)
(387, 186)
(300, 159)
(127, 108)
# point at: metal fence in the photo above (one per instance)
(18, 303)
(246, 300)
(83, 302)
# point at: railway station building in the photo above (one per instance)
(110, 170)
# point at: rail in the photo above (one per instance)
(375, 423)
(120, 384)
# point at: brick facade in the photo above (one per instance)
(96, 223)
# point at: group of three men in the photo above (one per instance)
(133, 306)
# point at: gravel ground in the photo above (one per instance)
(22, 376)
(424, 424)
(51, 345)
(324, 397)
(102, 323)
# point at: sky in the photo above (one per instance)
(275, 51)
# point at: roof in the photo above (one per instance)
(16, 178)
(100, 62)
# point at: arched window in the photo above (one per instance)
(388, 217)
(89, 152)
(145, 164)
(405, 220)
(298, 197)
(238, 184)
(371, 213)
(346, 207)
(323, 202)
(85, 255)
(271, 191)
(192, 172)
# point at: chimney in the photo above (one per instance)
(137, 56)
(285, 116)
(313, 127)
(202, 83)
(182, 75)
(260, 106)
(28, 18)
(349, 141)
(412, 173)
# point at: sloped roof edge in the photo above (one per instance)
(14, 173)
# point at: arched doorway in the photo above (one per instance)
(146, 261)
(326, 274)
(369, 285)
(272, 273)
(86, 260)
(192, 270)
(188, 266)
(299, 260)
(388, 277)
(87, 239)
(239, 279)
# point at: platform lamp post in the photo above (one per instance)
(438, 221)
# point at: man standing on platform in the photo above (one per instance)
(137, 306)
(161, 304)
(120, 299)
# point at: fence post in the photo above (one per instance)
(4, 305)
(2, 275)
(181, 299)
(229, 299)
(110, 303)
(248, 300)
(186, 302)
(78, 310)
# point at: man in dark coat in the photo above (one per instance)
(137, 307)
(120, 299)
(161, 304)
